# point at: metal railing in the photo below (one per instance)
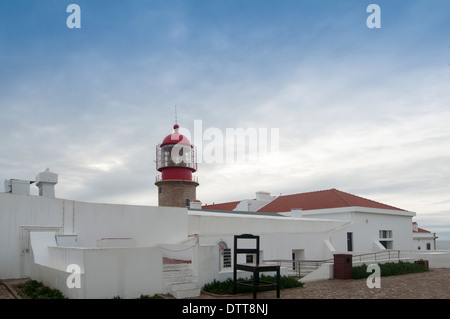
(193, 178)
(300, 268)
(378, 255)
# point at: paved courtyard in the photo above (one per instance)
(434, 284)
(7, 290)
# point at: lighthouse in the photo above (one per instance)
(176, 159)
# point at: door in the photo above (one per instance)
(25, 247)
(297, 254)
(349, 241)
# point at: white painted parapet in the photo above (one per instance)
(17, 186)
(103, 272)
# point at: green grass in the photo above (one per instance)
(389, 269)
(33, 289)
(226, 287)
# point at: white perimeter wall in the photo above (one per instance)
(279, 236)
(147, 225)
(19, 214)
(17, 211)
(104, 272)
(216, 224)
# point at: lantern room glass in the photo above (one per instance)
(177, 155)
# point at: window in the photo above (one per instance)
(385, 238)
(188, 202)
(226, 258)
(249, 259)
(160, 190)
(428, 246)
(385, 234)
(225, 255)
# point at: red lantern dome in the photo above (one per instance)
(176, 157)
(176, 138)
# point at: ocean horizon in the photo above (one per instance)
(443, 244)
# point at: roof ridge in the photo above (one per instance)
(280, 198)
(421, 230)
(336, 191)
(322, 190)
(233, 201)
(371, 200)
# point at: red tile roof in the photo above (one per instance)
(420, 230)
(223, 206)
(331, 198)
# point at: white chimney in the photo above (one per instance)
(195, 204)
(46, 182)
(265, 196)
(296, 212)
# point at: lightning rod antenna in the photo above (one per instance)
(176, 118)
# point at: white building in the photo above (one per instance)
(373, 226)
(423, 239)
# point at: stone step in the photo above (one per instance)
(178, 273)
(169, 288)
(180, 279)
(183, 286)
(168, 267)
(187, 293)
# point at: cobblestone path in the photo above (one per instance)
(434, 284)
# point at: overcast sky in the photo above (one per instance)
(366, 111)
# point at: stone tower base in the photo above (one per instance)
(176, 193)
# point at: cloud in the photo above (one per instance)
(361, 110)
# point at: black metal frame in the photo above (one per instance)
(254, 268)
